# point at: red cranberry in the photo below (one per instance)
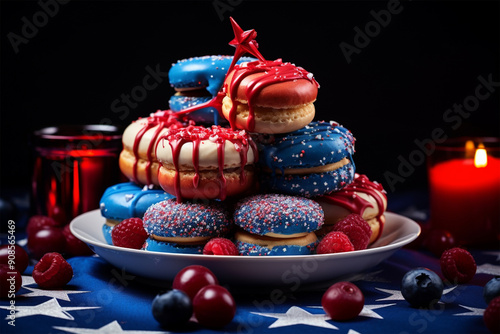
(343, 301)
(37, 223)
(213, 306)
(14, 255)
(10, 281)
(46, 241)
(439, 240)
(74, 246)
(192, 278)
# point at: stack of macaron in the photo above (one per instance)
(239, 155)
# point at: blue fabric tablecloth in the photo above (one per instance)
(103, 299)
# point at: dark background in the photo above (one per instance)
(395, 91)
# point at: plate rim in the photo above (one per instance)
(96, 243)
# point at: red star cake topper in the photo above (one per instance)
(244, 42)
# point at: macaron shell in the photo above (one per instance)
(309, 185)
(129, 200)
(167, 247)
(278, 214)
(317, 144)
(186, 219)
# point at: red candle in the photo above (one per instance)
(73, 166)
(465, 198)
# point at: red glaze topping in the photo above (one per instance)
(164, 119)
(219, 135)
(272, 72)
(348, 199)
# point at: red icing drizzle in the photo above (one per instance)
(348, 199)
(195, 134)
(273, 72)
(164, 119)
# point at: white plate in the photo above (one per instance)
(270, 270)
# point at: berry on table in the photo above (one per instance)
(458, 265)
(343, 301)
(14, 256)
(130, 233)
(192, 278)
(491, 315)
(10, 281)
(50, 239)
(220, 246)
(172, 309)
(491, 289)
(439, 240)
(334, 242)
(421, 287)
(74, 246)
(214, 306)
(52, 271)
(356, 228)
(39, 222)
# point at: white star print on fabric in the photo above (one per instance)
(50, 308)
(497, 254)
(27, 280)
(488, 268)
(111, 328)
(297, 316)
(473, 311)
(59, 294)
(394, 294)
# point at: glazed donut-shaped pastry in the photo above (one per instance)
(138, 160)
(206, 163)
(127, 200)
(363, 197)
(312, 161)
(184, 227)
(276, 224)
(269, 97)
(197, 80)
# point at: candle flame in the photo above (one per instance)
(480, 158)
(469, 149)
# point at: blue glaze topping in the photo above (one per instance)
(207, 71)
(277, 213)
(106, 232)
(204, 115)
(317, 144)
(186, 219)
(256, 250)
(167, 247)
(309, 185)
(129, 200)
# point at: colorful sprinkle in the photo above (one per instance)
(280, 214)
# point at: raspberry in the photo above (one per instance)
(335, 242)
(458, 265)
(220, 246)
(491, 315)
(130, 233)
(52, 271)
(356, 228)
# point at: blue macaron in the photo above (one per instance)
(184, 227)
(277, 219)
(312, 161)
(127, 200)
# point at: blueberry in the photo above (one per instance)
(421, 287)
(491, 289)
(172, 309)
